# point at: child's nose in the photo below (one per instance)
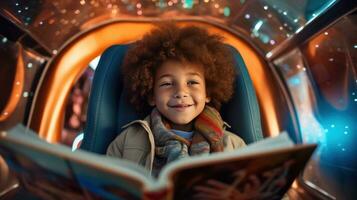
(180, 93)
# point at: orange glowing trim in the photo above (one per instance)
(67, 67)
(17, 87)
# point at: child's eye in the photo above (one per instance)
(192, 82)
(165, 84)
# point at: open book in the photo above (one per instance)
(263, 170)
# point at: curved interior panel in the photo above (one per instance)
(69, 63)
(17, 86)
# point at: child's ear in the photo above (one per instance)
(208, 99)
(151, 100)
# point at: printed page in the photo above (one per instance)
(107, 184)
(259, 176)
(88, 174)
(268, 144)
(43, 175)
(268, 154)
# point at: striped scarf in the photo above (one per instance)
(207, 137)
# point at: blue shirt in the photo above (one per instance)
(184, 134)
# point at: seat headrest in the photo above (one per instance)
(109, 109)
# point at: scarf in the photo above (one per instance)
(207, 137)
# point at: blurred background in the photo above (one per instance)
(301, 56)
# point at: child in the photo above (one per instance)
(183, 75)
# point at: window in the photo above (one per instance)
(321, 76)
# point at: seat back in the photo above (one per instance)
(109, 109)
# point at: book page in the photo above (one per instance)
(89, 175)
(262, 176)
(108, 182)
(264, 170)
(43, 175)
(268, 144)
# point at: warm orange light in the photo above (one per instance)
(66, 68)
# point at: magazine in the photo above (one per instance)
(262, 170)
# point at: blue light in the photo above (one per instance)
(321, 10)
(256, 28)
(227, 11)
(294, 81)
(264, 38)
(188, 4)
(258, 25)
(339, 141)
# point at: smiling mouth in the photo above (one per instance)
(181, 106)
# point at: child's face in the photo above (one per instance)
(180, 93)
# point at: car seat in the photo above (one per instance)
(109, 109)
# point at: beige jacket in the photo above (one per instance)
(136, 143)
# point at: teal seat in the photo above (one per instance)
(109, 110)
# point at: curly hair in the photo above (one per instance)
(189, 44)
